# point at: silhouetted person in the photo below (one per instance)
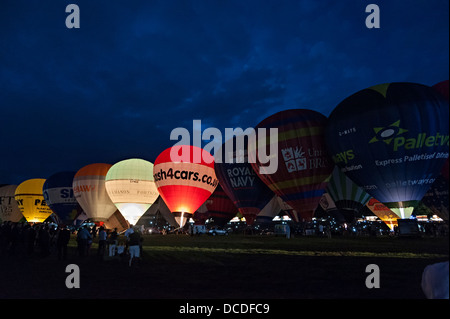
(83, 238)
(62, 242)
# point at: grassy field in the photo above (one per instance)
(233, 267)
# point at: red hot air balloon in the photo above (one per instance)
(304, 165)
(185, 178)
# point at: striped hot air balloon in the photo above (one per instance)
(303, 162)
(348, 197)
(185, 178)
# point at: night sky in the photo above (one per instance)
(134, 70)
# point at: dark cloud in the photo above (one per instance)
(135, 70)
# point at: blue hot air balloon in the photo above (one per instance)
(58, 194)
(239, 181)
(391, 140)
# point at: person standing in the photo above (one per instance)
(83, 237)
(62, 241)
(113, 243)
(134, 246)
(102, 235)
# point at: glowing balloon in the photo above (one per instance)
(58, 194)
(185, 178)
(130, 185)
(89, 190)
(9, 210)
(392, 140)
(31, 202)
(237, 178)
(303, 162)
(382, 212)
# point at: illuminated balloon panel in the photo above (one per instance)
(384, 213)
(391, 140)
(58, 194)
(185, 178)
(303, 162)
(9, 210)
(237, 178)
(90, 192)
(31, 202)
(131, 187)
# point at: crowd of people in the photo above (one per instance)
(43, 240)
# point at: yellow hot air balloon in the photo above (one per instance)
(30, 200)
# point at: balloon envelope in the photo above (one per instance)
(89, 190)
(382, 212)
(348, 197)
(131, 187)
(391, 140)
(220, 207)
(9, 210)
(303, 162)
(185, 178)
(238, 180)
(31, 202)
(58, 194)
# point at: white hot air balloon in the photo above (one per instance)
(131, 187)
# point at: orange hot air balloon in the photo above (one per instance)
(185, 178)
(90, 192)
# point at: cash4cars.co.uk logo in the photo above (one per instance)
(396, 136)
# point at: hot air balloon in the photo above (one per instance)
(238, 180)
(89, 190)
(436, 198)
(220, 208)
(31, 202)
(348, 197)
(9, 210)
(58, 194)
(185, 178)
(130, 185)
(392, 141)
(303, 162)
(382, 212)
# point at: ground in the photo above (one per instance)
(232, 267)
